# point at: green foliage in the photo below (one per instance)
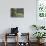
(39, 35)
(35, 27)
(40, 27)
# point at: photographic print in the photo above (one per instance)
(41, 8)
(17, 12)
